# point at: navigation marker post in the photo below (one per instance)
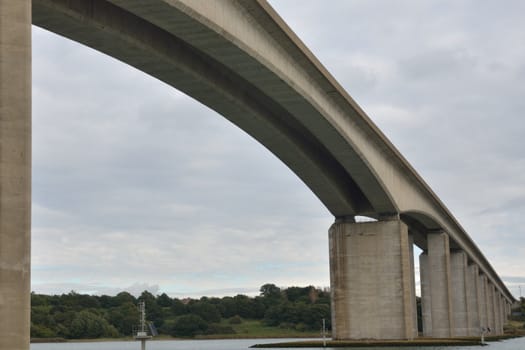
(141, 332)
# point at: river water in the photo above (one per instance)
(243, 344)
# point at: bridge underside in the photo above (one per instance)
(240, 59)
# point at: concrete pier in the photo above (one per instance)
(473, 307)
(438, 320)
(371, 281)
(497, 313)
(502, 312)
(412, 281)
(458, 270)
(15, 173)
(426, 305)
(491, 322)
(482, 302)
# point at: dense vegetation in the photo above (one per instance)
(75, 316)
(518, 312)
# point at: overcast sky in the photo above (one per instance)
(137, 186)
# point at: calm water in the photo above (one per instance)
(242, 344)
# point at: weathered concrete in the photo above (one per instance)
(501, 312)
(15, 173)
(412, 281)
(473, 312)
(489, 295)
(439, 282)
(426, 293)
(498, 327)
(482, 302)
(458, 272)
(370, 279)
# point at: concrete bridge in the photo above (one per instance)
(239, 58)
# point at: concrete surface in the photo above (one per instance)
(15, 173)
(483, 307)
(426, 294)
(370, 280)
(473, 301)
(458, 272)
(491, 319)
(438, 268)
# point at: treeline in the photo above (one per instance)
(81, 316)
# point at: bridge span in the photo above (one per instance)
(239, 58)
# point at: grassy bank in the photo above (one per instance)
(256, 329)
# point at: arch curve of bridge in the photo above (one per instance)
(240, 59)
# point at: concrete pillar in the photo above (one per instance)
(502, 313)
(15, 173)
(370, 280)
(438, 321)
(489, 293)
(426, 305)
(412, 282)
(497, 319)
(458, 272)
(473, 285)
(482, 301)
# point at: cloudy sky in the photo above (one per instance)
(136, 186)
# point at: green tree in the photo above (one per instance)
(205, 310)
(229, 307)
(39, 299)
(189, 326)
(153, 310)
(244, 306)
(295, 294)
(87, 325)
(124, 317)
(178, 308)
(164, 300)
(124, 297)
(271, 291)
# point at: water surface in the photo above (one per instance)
(244, 344)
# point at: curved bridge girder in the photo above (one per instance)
(227, 89)
(240, 59)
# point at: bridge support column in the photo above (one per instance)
(412, 283)
(482, 302)
(15, 173)
(501, 313)
(491, 319)
(370, 279)
(458, 271)
(473, 308)
(497, 312)
(426, 292)
(438, 321)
